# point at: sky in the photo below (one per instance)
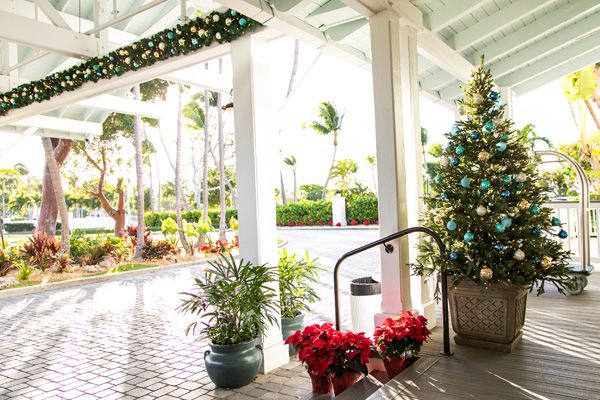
(350, 88)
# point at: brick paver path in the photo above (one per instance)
(125, 340)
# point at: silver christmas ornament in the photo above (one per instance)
(481, 211)
(519, 255)
(521, 177)
(478, 98)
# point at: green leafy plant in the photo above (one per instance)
(62, 262)
(235, 300)
(296, 276)
(41, 250)
(159, 249)
(311, 191)
(363, 209)
(8, 257)
(169, 229)
(344, 171)
(24, 270)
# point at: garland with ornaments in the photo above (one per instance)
(183, 39)
(486, 202)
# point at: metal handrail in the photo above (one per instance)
(390, 249)
(584, 206)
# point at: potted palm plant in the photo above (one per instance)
(296, 276)
(235, 302)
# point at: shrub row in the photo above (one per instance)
(23, 227)
(154, 219)
(361, 210)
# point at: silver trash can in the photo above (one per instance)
(365, 302)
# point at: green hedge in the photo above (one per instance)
(304, 212)
(362, 209)
(14, 227)
(154, 219)
(91, 231)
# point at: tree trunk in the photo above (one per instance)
(186, 247)
(48, 211)
(283, 195)
(151, 189)
(139, 175)
(222, 205)
(59, 195)
(295, 184)
(590, 108)
(119, 214)
(329, 172)
(205, 158)
(158, 189)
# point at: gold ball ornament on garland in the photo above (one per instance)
(486, 273)
(478, 98)
(546, 262)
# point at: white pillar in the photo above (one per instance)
(399, 161)
(507, 95)
(255, 168)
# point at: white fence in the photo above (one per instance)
(568, 212)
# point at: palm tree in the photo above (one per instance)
(222, 205)
(196, 116)
(178, 186)
(148, 151)
(373, 163)
(330, 124)
(139, 175)
(291, 161)
(59, 194)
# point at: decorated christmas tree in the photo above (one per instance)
(486, 202)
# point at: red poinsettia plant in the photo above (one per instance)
(314, 349)
(351, 353)
(401, 336)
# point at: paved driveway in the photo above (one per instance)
(124, 339)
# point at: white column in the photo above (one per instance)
(399, 160)
(507, 94)
(255, 168)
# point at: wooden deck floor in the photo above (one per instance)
(559, 358)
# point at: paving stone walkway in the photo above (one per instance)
(125, 339)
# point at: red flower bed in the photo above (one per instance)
(220, 247)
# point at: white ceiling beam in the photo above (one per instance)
(31, 33)
(496, 22)
(558, 72)
(52, 14)
(60, 124)
(450, 13)
(123, 105)
(575, 32)
(24, 133)
(438, 80)
(536, 30)
(333, 10)
(198, 76)
(451, 91)
(438, 52)
(557, 58)
(342, 31)
(290, 6)
(91, 89)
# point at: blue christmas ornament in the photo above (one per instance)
(443, 196)
(243, 22)
(460, 150)
(536, 231)
(485, 184)
(507, 179)
(111, 58)
(536, 261)
(170, 35)
(454, 161)
(437, 179)
(451, 225)
(117, 69)
(534, 209)
(474, 135)
(498, 246)
(453, 256)
(96, 67)
(494, 95)
(465, 182)
(450, 144)
(455, 129)
(489, 126)
(505, 194)
(555, 221)
(504, 136)
(500, 227)
(507, 222)
(501, 147)
(563, 234)
(469, 236)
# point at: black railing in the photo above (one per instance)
(390, 249)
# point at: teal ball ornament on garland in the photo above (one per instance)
(536, 261)
(459, 150)
(465, 182)
(437, 179)
(555, 221)
(489, 126)
(534, 209)
(500, 228)
(454, 161)
(507, 222)
(469, 236)
(454, 131)
(520, 185)
(507, 179)
(242, 21)
(501, 147)
(451, 225)
(536, 231)
(170, 36)
(485, 184)
(563, 234)
(504, 136)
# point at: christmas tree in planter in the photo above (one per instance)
(486, 204)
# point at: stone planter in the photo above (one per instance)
(233, 365)
(490, 318)
(289, 326)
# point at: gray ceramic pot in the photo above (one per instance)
(233, 365)
(289, 326)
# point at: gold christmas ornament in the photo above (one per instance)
(193, 29)
(161, 46)
(134, 46)
(478, 98)
(483, 156)
(521, 177)
(486, 273)
(438, 220)
(181, 41)
(127, 60)
(201, 32)
(523, 205)
(218, 35)
(546, 262)
(228, 21)
(216, 18)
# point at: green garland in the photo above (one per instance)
(183, 39)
